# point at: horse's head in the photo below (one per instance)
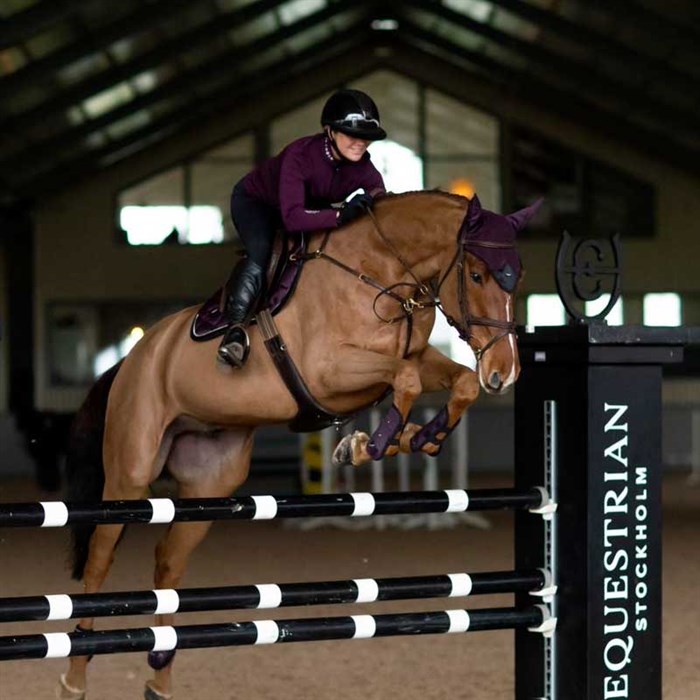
(488, 271)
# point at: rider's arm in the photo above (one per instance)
(295, 215)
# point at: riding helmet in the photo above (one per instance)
(354, 113)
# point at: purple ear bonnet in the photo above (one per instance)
(483, 229)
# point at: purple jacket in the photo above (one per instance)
(304, 179)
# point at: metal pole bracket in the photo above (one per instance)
(549, 623)
(549, 588)
(547, 507)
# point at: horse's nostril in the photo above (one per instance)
(495, 381)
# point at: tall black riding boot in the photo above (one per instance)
(242, 293)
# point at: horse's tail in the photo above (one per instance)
(84, 469)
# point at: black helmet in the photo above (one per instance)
(353, 113)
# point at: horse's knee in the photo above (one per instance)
(408, 382)
(126, 483)
(467, 388)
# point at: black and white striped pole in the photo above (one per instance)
(269, 595)
(166, 510)
(166, 638)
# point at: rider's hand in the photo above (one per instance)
(354, 208)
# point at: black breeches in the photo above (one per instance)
(256, 223)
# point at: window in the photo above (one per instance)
(400, 167)
(72, 342)
(462, 149)
(110, 355)
(615, 315)
(188, 204)
(86, 339)
(662, 310)
(545, 310)
(154, 224)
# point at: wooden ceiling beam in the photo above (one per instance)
(604, 47)
(42, 70)
(22, 26)
(188, 83)
(166, 51)
(502, 91)
(581, 76)
(246, 103)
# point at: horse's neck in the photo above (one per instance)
(421, 229)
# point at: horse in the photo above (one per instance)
(356, 326)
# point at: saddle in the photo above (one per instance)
(282, 276)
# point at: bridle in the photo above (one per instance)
(468, 320)
(418, 300)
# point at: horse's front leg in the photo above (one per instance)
(438, 372)
(354, 370)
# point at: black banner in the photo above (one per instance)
(624, 532)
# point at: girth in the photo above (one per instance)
(311, 416)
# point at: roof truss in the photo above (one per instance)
(564, 61)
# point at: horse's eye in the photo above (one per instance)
(476, 277)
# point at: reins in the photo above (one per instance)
(411, 303)
(408, 304)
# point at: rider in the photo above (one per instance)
(296, 189)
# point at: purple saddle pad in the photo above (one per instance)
(210, 320)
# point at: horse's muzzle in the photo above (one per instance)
(494, 382)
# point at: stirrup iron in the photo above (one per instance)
(235, 352)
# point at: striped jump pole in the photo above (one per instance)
(265, 596)
(166, 510)
(166, 638)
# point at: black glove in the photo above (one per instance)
(355, 208)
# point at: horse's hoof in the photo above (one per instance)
(67, 692)
(342, 454)
(150, 693)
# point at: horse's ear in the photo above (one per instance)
(474, 213)
(520, 218)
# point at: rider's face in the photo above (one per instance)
(350, 147)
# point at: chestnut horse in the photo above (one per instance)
(357, 325)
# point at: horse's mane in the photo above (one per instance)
(395, 196)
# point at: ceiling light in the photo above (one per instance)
(385, 25)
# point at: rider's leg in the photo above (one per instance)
(242, 293)
(256, 223)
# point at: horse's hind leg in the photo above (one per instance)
(129, 468)
(102, 545)
(205, 467)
